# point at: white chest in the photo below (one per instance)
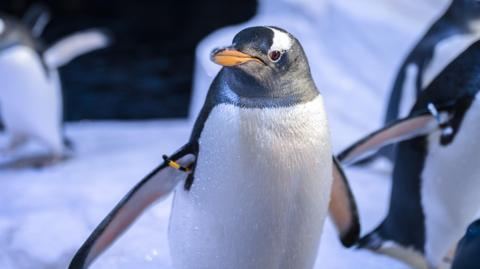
(261, 190)
(451, 182)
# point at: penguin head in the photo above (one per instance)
(466, 255)
(473, 230)
(265, 62)
(465, 11)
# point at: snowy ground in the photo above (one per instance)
(46, 214)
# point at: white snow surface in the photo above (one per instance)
(46, 214)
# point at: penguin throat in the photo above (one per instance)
(265, 91)
(250, 84)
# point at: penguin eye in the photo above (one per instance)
(274, 55)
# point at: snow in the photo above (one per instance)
(47, 213)
(354, 48)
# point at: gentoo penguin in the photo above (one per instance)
(435, 185)
(256, 175)
(462, 18)
(468, 249)
(449, 36)
(30, 96)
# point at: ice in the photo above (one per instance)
(353, 47)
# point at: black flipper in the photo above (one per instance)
(343, 209)
(158, 184)
(400, 130)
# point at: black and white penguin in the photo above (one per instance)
(256, 176)
(455, 30)
(435, 185)
(31, 96)
(468, 249)
(449, 36)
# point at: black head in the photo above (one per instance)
(465, 11)
(265, 62)
(473, 231)
(13, 32)
(468, 249)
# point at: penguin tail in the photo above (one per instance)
(75, 45)
(372, 241)
(375, 242)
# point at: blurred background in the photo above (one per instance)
(148, 71)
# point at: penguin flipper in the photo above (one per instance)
(343, 209)
(158, 184)
(397, 131)
(75, 45)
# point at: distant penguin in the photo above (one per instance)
(468, 250)
(257, 174)
(436, 172)
(449, 36)
(30, 94)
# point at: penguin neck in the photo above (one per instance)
(464, 16)
(261, 90)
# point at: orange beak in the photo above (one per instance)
(231, 57)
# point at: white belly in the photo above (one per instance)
(30, 102)
(261, 190)
(451, 185)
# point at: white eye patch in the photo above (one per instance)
(2, 26)
(281, 41)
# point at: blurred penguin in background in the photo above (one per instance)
(455, 30)
(30, 94)
(468, 250)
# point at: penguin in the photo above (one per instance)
(466, 256)
(31, 97)
(434, 193)
(456, 29)
(462, 18)
(256, 177)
